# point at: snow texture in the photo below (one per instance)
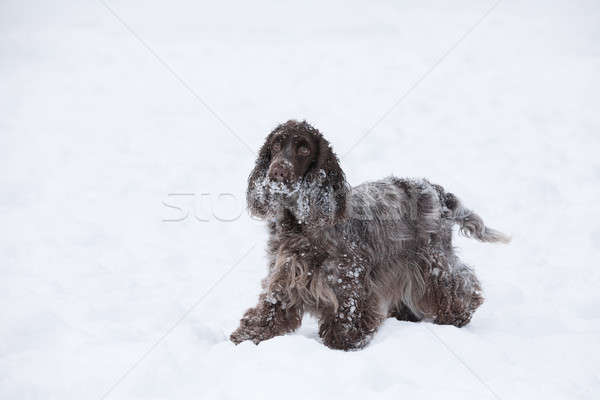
(103, 148)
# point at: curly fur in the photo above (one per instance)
(356, 256)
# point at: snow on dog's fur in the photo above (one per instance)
(353, 256)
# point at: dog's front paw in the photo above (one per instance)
(253, 326)
(266, 321)
(254, 333)
(240, 335)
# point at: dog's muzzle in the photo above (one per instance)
(281, 172)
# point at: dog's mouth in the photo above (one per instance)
(283, 189)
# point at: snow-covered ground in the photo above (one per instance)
(111, 119)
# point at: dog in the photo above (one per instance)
(353, 256)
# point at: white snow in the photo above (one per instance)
(102, 139)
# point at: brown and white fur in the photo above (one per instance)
(353, 256)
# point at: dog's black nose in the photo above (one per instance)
(279, 173)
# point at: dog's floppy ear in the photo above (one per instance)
(256, 198)
(325, 198)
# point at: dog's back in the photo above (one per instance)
(415, 210)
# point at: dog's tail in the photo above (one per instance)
(471, 224)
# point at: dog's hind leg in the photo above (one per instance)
(453, 292)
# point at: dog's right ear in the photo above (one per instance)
(256, 198)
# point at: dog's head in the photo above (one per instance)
(297, 170)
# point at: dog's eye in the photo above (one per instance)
(303, 150)
(276, 147)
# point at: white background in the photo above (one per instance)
(96, 130)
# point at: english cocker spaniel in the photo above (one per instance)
(353, 256)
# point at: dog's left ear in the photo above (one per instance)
(327, 193)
